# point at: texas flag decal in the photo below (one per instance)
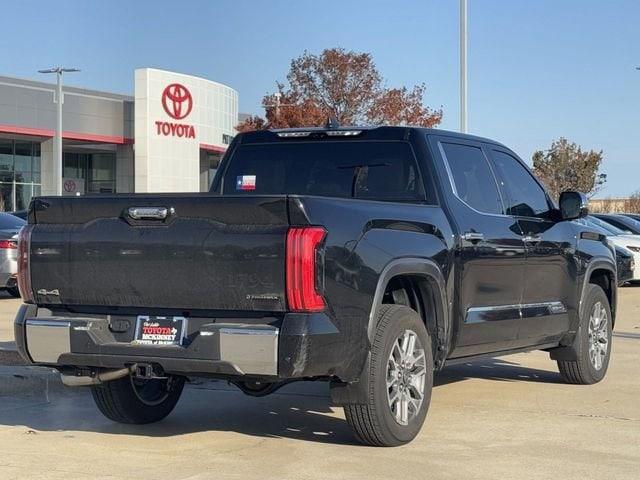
(246, 182)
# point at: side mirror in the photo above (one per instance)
(573, 205)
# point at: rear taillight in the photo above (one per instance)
(302, 269)
(24, 270)
(8, 244)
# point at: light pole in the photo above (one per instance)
(278, 104)
(463, 66)
(57, 139)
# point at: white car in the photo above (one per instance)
(619, 238)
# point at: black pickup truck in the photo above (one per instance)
(365, 257)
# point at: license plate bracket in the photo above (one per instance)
(160, 330)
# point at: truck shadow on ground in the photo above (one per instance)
(496, 369)
(298, 411)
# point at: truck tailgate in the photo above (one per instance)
(214, 253)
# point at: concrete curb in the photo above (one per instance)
(30, 381)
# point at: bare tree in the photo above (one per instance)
(632, 204)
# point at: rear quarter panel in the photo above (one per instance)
(362, 238)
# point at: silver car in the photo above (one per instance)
(10, 225)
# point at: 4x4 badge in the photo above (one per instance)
(44, 291)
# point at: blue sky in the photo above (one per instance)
(537, 69)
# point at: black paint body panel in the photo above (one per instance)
(221, 257)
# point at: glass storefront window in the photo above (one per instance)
(97, 170)
(22, 161)
(6, 197)
(19, 173)
(24, 192)
(6, 160)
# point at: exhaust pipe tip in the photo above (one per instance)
(101, 376)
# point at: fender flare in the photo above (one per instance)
(567, 350)
(423, 267)
(355, 393)
(602, 263)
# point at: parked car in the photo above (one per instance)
(9, 228)
(626, 265)
(625, 258)
(20, 214)
(365, 257)
(619, 238)
(627, 224)
(635, 216)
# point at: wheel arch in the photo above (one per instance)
(603, 273)
(432, 292)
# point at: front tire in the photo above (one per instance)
(400, 379)
(592, 347)
(133, 401)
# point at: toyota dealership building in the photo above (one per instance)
(167, 137)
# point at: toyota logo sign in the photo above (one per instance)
(70, 186)
(177, 101)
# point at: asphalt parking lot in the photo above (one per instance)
(506, 418)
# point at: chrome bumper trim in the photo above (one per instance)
(254, 351)
(46, 340)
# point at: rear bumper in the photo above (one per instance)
(300, 345)
(7, 280)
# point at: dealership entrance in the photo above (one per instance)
(84, 172)
(168, 137)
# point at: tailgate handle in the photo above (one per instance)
(150, 213)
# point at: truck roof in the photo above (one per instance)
(385, 131)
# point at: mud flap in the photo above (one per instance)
(354, 393)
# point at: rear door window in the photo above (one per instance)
(474, 182)
(372, 170)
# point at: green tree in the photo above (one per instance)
(565, 166)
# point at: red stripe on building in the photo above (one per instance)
(88, 137)
(212, 148)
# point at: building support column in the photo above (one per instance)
(125, 170)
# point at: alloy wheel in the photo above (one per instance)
(406, 375)
(598, 335)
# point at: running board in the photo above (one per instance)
(471, 358)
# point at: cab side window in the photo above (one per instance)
(525, 197)
(474, 181)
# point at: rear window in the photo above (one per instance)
(347, 169)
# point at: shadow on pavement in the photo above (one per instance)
(495, 369)
(297, 411)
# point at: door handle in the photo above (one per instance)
(150, 213)
(473, 236)
(532, 238)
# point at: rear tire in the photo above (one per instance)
(400, 379)
(592, 346)
(13, 291)
(132, 401)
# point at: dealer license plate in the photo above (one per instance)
(153, 330)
